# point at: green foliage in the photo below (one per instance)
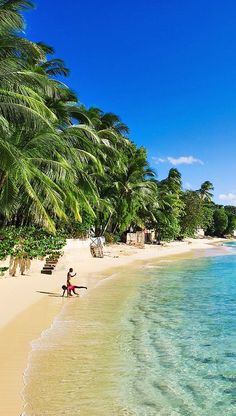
(167, 211)
(205, 191)
(231, 212)
(29, 242)
(207, 215)
(196, 213)
(220, 222)
(111, 238)
(3, 270)
(76, 229)
(67, 167)
(191, 218)
(125, 190)
(168, 227)
(230, 209)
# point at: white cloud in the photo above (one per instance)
(184, 160)
(230, 198)
(158, 160)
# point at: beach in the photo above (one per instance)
(117, 209)
(29, 304)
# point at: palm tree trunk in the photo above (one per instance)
(115, 228)
(105, 228)
(3, 178)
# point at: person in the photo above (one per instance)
(70, 286)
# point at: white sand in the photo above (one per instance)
(26, 308)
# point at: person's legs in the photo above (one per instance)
(72, 289)
(80, 287)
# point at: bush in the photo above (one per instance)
(3, 270)
(26, 243)
(111, 238)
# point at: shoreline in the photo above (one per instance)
(25, 322)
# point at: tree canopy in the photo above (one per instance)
(65, 165)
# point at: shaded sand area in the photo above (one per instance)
(30, 303)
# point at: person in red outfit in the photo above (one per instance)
(70, 286)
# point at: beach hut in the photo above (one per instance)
(150, 236)
(136, 239)
(200, 233)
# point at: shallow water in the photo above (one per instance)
(230, 244)
(157, 341)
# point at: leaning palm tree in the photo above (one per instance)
(205, 191)
(11, 18)
(45, 173)
(126, 188)
(55, 67)
(57, 156)
(21, 98)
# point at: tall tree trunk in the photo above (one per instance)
(3, 178)
(115, 228)
(105, 228)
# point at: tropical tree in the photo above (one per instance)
(170, 206)
(62, 162)
(126, 190)
(205, 191)
(220, 221)
(196, 213)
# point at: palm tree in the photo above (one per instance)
(205, 191)
(21, 100)
(127, 188)
(57, 157)
(170, 206)
(46, 173)
(173, 180)
(11, 18)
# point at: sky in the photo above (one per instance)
(167, 67)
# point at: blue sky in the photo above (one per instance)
(168, 68)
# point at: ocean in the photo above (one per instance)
(159, 339)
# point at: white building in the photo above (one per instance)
(200, 233)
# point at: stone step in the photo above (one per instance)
(46, 271)
(48, 268)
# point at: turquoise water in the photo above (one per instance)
(230, 244)
(184, 340)
(157, 341)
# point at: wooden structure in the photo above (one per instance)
(150, 236)
(199, 233)
(136, 239)
(96, 246)
(50, 264)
